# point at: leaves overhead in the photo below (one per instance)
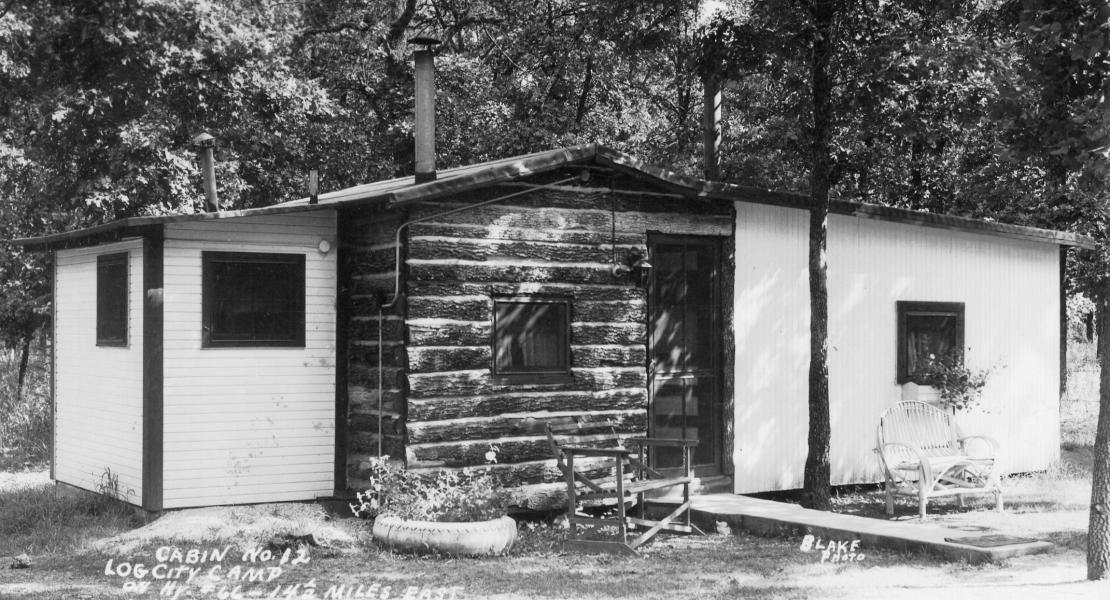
(988, 109)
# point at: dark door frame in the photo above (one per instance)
(717, 353)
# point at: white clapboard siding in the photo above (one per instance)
(98, 393)
(1010, 289)
(248, 424)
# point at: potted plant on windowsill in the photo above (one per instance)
(956, 386)
(449, 513)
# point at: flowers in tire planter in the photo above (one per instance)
(445, 496)
(447, 512)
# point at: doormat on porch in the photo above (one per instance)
(989, 541)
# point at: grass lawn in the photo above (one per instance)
(83, 547)
(71, 536)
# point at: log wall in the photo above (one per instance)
(550, 242)
(368, 247)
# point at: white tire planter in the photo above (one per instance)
(479, 538)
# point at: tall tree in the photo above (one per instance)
(823, 14)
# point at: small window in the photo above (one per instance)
(928, 332)
(253, 299)
(530, 337)
(111, 299)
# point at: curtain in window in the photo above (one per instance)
(531, 336)
(928, 339)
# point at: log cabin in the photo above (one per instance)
(262, 355)
(266, 354)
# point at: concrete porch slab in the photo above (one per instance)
(767, 517)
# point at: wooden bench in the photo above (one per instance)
(632, 479)
(923, 455)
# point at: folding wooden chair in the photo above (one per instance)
(632, 479)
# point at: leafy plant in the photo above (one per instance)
(960, 387)
(108, 486)
(25, 427)
(444, 496)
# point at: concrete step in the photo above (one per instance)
(770, 518)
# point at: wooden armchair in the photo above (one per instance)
(632, 478)
(923, 455)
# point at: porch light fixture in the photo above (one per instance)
(635, 266)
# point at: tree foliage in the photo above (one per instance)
(988, 109)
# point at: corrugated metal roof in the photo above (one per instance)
(396, 192)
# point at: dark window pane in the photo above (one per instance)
(530, 337)
(253, 299)
(111, 300)
(928, 332)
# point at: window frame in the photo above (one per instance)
(541, 376)
(906, 309)
(104, 261)
(208, 299)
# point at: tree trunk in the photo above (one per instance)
(587, 86)
(817, 468)
(1098, 531)
(24, 352)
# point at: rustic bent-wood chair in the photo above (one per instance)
(632, 479)
(924, 455)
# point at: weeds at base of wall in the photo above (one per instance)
(56, 518)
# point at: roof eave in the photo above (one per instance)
(715, 190)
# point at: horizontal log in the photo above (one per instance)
(448, 358)
(365, 376)
(427, 248)
(433, 359)
(365, 329)
(460, 308)
(610, 312)
(569, 199)
(623, 334)
(358, 463)
(521, 234)
(633, 216)
(532, 473)
(480, 383)
(478, 334)
(586, 357)
(610, 292)
(509, 273)
(540, 497)
(583, 218)
(480, 308)
(367, 227)
(368, 424)
(471, 453)
(365, 294)
(450, 334)
(365, 261)
(437, 409)
(364, 442)
(365, 400)
(366, 354)
(500, 427)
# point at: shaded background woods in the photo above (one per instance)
(988, 109)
